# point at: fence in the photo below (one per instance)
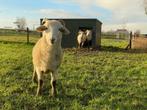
(139, 43)
(114, 36)
(12, 35)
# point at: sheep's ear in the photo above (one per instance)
(79, 31)
(41, 28)
(64, 30)
(62, 22)
(44, 20)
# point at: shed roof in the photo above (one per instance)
(76, 19)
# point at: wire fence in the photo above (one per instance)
(27, 36)
(24, 36)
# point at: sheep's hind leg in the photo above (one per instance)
(88, 45)
(40, 82)
(80, 45)
(53, 83)
(34, 77)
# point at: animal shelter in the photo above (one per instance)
(74, 25)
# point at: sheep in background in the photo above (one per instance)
(84, 38)
(47, 53)
(89, 34)
(81, 38)
(88, 37)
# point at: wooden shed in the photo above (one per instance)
(74, 25)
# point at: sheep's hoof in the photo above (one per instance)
(38, 93)
(34, 80)
(53, 94)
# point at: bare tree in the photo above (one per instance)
(20, 23)
(137, 33)
(145, 6)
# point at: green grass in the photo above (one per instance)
(110, 79)
(7, 35)
(114, 43)
(18, 38)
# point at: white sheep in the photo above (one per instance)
(88, 37)
(81, 38)
(84, 38)
(47, 53)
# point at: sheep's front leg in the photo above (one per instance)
(53, 83)
(40, 82)
(82, 44)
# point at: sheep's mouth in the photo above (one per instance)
(52, 41)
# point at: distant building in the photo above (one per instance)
(122, 33)
(7, 27)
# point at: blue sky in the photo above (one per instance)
(113, 14)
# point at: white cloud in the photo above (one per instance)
(124, 12)
(129, 26)
(58, 13)
(128, 9)
(138, 26)
(6, 22)
(129, 12)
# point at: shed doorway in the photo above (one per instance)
(87, 44)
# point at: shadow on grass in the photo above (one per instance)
(103, 48)
(112, 49)
(117, 49)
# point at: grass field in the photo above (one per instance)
(110, 79)
(14, 36)
(18, 39)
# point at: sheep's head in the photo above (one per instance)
(82, 34)
(88, 32)
(53, 30)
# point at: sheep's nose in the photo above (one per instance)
(52, 41)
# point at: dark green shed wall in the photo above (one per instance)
(70, 41)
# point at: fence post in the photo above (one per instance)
(130, 42)
(129, 46)
(27, 35)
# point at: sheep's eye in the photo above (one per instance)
(43, 22)
(61, 30)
